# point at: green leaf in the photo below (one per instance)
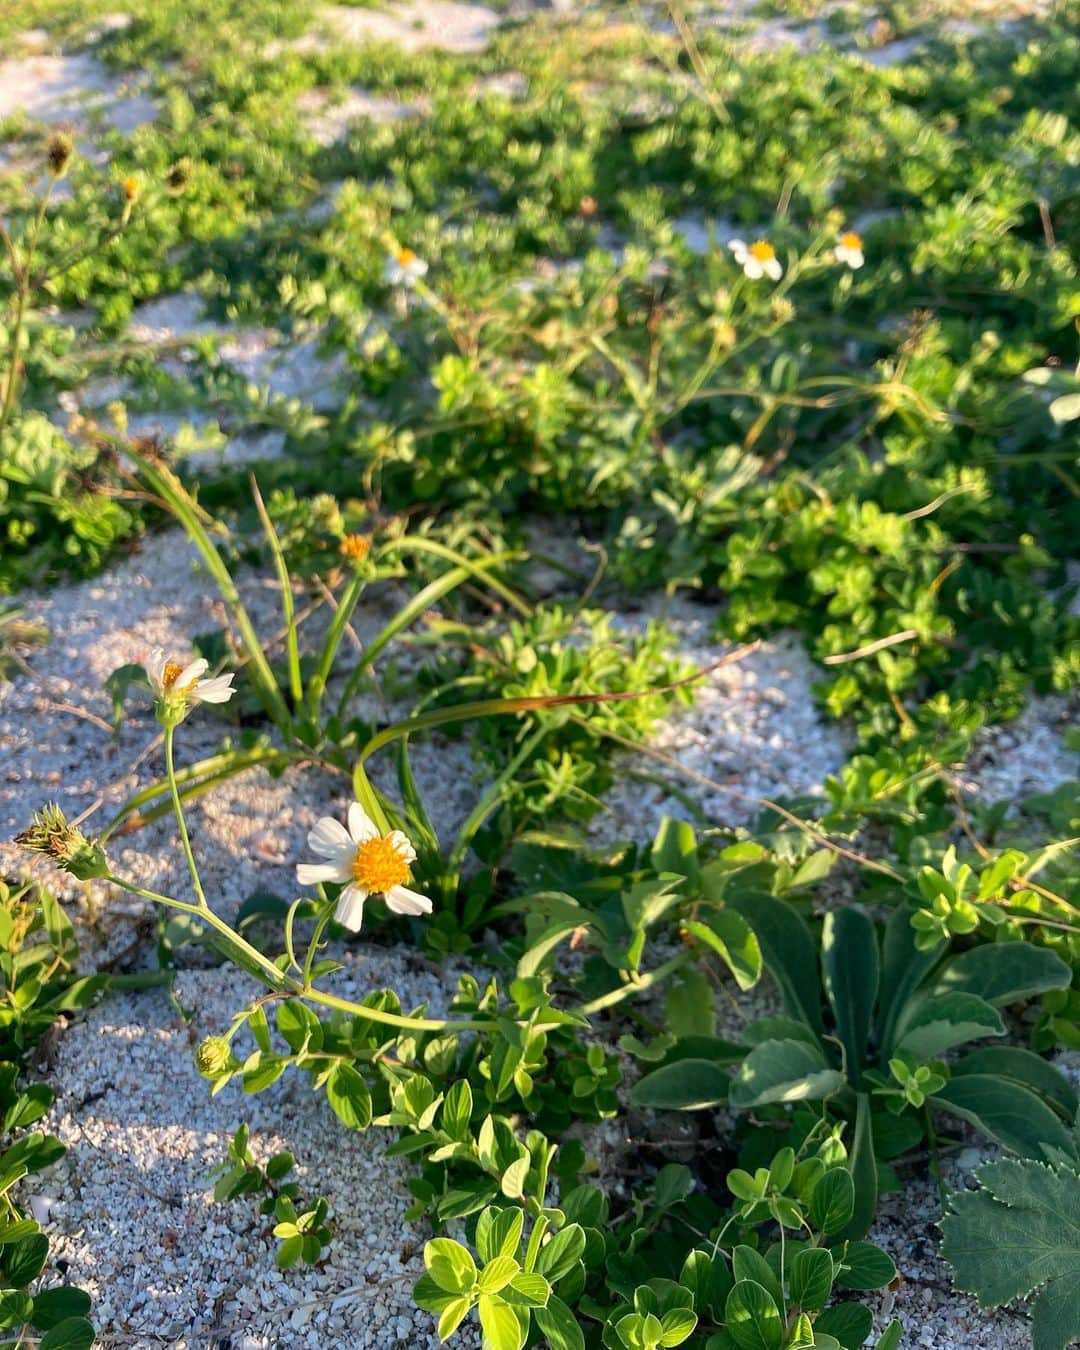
(559, 1325)
(903, 969)
(498, 1231)
(450, 1265)
(891, 1337)
(783, 1071)
(812, 1278)
(452, 1316)
(862, 1165)
(498, 1272)
(849, 965)
(1007, 1112)
(752, 1318)
(1011, 1061)
(1004, 972)
(685, 1085)
(559, 1256)
(677, 1324)
(56, 1305)
(850, 1323)
(73, 1333)
(732, 939)
(457, 1110)
(945, 1021)
(788, 951)
(527, 1290)
(748, 1264)
(690, 1004)
(349, 1097)
(501, 1325)
(675, 849)
(1017, 1234)
(865, 1266)
(832, 1203)
(24, 1261)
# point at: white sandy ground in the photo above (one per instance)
(70, 90)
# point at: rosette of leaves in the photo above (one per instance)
(867, 1019)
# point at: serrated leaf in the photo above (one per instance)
(1020, 1233)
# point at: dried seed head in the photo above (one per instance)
(180, 175)
(59, 152)
(68, 847)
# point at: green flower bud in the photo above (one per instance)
(214, 1057)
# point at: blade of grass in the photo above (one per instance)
(164, 483)
(288, 610)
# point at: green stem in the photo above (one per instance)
(636, 986)
(178, 809)
(23, 294)
(303, 990)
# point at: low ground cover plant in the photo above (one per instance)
(796, 335)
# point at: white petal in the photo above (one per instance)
(329, 837)
(857, 258)
(217, 690)
(190, 673)
(155, 669)
(738, 247)
(350, 907)
(403, 901)
(401, 845)
(310, 874)
(773, 269)
(361, 826)
(752, 267)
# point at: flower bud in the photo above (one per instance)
(67, 846)
(214, 1057)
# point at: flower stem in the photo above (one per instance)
(170, 773)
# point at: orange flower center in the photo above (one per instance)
(379, 867)
(851, 240)
(406, 257)
(355, 546)
(762, 251)
(172, 672)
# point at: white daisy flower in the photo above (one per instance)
(757, 260)
(849, 249)
(172, 682)
(371, 864)
(404, 268)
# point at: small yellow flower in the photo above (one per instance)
(131, 189)
(355, 547)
